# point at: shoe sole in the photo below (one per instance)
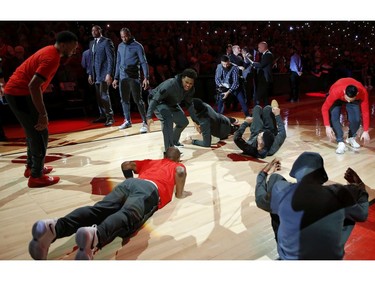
(35, 249)
(32, 185)
(81, 255)
(120, 128)
(83, 243)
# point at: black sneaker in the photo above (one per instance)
(110, 122)
(179, 145)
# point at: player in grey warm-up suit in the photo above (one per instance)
(165, 102)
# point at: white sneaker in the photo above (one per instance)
(125, 125)
(341, 148)
(87, 240)
(144, 128)
(353, 142)
(214, 140)
(44, 234)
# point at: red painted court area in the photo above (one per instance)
(361, 243)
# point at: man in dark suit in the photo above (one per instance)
(101, 73)
(264, 74)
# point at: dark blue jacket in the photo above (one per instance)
(103, 59)
(130, 57)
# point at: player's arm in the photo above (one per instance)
(180, 178)
(128, 167)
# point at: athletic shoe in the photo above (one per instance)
(42, 181)
(353, 142)
(234, 121)
(87, 240)
(125, 125)
(233, 129)
(214, 140)
(109, 122)
(274, 103)
(46, 170)
(179, 145)
(44, 233)
(341, 148)
(144, 128)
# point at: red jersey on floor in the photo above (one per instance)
(162, 172)
(44, 63)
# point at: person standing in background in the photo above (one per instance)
(227, 80)
(101, 73)
(295, 67)
(264, 74)
(130, 56)
(2, 133)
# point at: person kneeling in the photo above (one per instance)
(211, 125)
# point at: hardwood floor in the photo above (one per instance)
(220, 221)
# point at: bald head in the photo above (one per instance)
(173, 154)
(262, 46)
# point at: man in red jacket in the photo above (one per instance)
(352, 94)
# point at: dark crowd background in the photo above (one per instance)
(329, 51)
